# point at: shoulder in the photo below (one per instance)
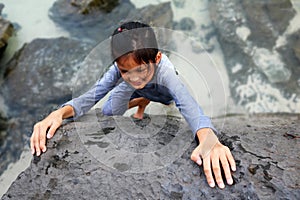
(165, 65)
(165, 70)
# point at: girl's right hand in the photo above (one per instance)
(38, 138)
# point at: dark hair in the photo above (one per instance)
(137, 38)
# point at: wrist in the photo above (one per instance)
(65, 112)
(203, 133)
(207, 141)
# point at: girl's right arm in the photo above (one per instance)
(74, 108)
(51, 123)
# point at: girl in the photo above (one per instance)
(139, 74)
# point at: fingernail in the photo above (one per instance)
(38, 153)
(233, 168)
(32, 151)
(199, 162)
(44, 150)
(229, 181)
(221, 185)
(48, 136)
(212, 184)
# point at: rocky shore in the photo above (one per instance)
(266, 149)
(261, 57)
(43, 74)
(260, 51)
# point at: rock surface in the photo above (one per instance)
(266, 149)
(47, 72)
(43, 69)
(98, 25)
(51, 71)
(88, 6)
(6, 31)
(38, 79)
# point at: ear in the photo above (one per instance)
(158, 57)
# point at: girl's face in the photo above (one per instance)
(137, 75)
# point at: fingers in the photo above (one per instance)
(226, 169)
(231, 160)
(208, 172)
(52, 130)
(217, 171)
(220, 157)
(38, 139)
(196, 156)
(35, 140)
(42, 138)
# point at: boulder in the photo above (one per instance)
(88, 6)
(98, 25)
(37, 80)
(6, 31)
(116, 158)
(40, 73)
(260, 69)
(45, 73)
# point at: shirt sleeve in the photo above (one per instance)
(187, 105)
(86, 101)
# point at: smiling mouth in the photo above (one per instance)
(137, 83)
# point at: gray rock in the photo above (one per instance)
(263, 77)
(89, 6)
(187, 24)
(48, 72)
(99, 25)
(6, 31)
(37, 81)
(265, 148)
(39, 73)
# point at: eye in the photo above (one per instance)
(123, 71)
(142, 69)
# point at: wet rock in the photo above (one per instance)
(88, 6)
(6, 31)
(267, 161)
(98, 25)
(294, 43)
(37, 80)
(160, 15)
(259, 68)
(186, 24)
(40, 73)
(179, 3)
(271, 65)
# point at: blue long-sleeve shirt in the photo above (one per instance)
(165, 87)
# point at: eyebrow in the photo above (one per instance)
(120, 68)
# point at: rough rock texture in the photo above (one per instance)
(260, 68)
(42, 68)
(38, 79)
(98, 25)
(47, 72)
(80, 162)
(52, 72)
(88, 6)
(6, 31)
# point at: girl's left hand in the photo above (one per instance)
(211, 163)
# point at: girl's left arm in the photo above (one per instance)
(210, 151)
